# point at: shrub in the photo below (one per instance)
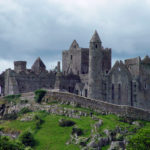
(39, 94)
(38, 121)
(66, 123)
(140, 141)
(25, 110)
(77, 131)
(8, 144)
(27, 138)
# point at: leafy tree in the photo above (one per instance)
(140, 141)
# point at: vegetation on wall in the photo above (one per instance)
(39, 94)
(12, 98)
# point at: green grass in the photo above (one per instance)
(12, 98)
(50, 136)
(105, 147)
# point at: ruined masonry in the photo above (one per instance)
(86, 72)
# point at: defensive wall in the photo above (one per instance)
(98, 105)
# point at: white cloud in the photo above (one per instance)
(5, 64)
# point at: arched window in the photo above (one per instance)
(77, 92)
(86, 92)
(119, 91)
(112, 94)
(134, 86)
(96, 46)
(145, 85)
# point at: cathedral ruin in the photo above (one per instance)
(86, 72)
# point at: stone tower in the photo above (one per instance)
(95, 67)
(20, 66)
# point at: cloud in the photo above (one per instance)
(5, 64)
(31, 28)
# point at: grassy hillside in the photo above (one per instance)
(49, 135)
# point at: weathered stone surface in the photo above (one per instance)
(117, 145)
(100, 106)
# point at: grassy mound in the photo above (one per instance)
(48, 134)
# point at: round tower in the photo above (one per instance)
(95, 67)
(20, 66)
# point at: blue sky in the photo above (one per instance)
(33, 28)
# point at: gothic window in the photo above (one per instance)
(81, 93)
(71, 57)
(119, 91)
(96, 46)
(86, 92)
(106, 71)
(145, 85)
(112, 92)
(134, 86)
(104, 86)
(69, 89)
(77, 92)
(134, 98)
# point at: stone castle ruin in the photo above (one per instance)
(86, 72)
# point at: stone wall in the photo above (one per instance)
(16, 83)
(99, 106)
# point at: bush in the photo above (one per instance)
(77, 131)
(140, 141)
(39, 94)
(27, 138)
(38, 121)
(25, 110)
(66, 123)
(8, 144)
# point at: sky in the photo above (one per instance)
(33, 28)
